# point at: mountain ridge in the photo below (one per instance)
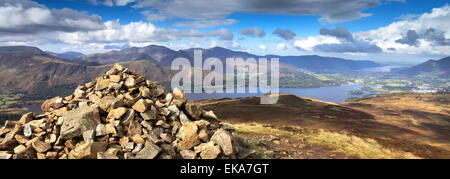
(66, 55)
(163, 56)
(440, 67)
(25, 71)
(28, 68)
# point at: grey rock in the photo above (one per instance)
(9, 142)
(79, 120)
(87, 150)
(174, 110)
(114, 86)
(210, 151)
(129, 146)
(223, 138)
(150, 114)
(188, 154)
(193, 110)
(26, 118)
(209, 115)
(88, 136)
(5, 155)
(149, 152)
(183, 118)
(158, 91)
(27, 131)
(130, 82)
(127, 117)
(137, 149)
(40, 146)
(100, 130)
(106, 155)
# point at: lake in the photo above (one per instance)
(337, 94)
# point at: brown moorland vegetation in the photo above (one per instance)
(406, 125)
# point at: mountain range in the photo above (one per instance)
(163, 56)
(24, 69)
(27, 68)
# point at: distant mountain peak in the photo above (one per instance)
(441, 67)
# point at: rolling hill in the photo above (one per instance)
(402, 125)
(440, 67)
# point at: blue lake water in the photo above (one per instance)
(336, 94)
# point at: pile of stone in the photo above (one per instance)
(121, 115)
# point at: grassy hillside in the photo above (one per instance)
(389, 126)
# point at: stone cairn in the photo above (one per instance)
(121, 115)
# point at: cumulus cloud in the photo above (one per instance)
(411, 38)
(309, 43)
(285, 34)
(281, 46)
(223, 34)
(262, 47)
(252, 32)
(114, 34)
(429, 33)
(111, 3)
(339, 32)
(123, 2)
(338, 40)
(332, 11)
(152, 16)
(139, 32)
(437, 37)
(23, 16)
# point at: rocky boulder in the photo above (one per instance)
(120, 115)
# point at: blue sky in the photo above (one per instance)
(379, 30)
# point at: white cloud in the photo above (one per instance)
(123, 2)
(281, 46)
(262, 47)
(111, 3)
(222, 33)
(115, 33)
(388, 37)
(310, 42)
(24, 16)
(426, 35)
